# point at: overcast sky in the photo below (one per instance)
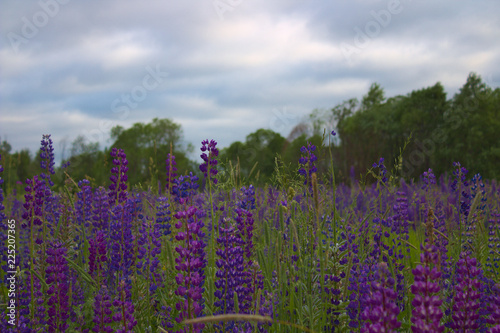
(223, 69)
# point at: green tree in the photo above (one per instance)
(380, 127)
(86, 161)
(420, 115)
(472, 127)
(373, 98)
(266, 144)
(147, 146)
(259, 150)
(18, 166)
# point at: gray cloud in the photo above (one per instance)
(65, 64)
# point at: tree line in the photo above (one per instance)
(413, 132)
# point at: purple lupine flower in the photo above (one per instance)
(268, 304)
(57, 278)
(103, 312)
(35, 193)
(333, 293)
(231, 275)
(163, 216)
(460, 174)
(400, 228)
(118, 187)
(97, 255)
(382, 168)
(77, 300)
(493, 259)
(209, 165)
(121, 238)
(478, 188)
(439, 223)
(351, 248)
(256, 286)
(307, 160)
(190, 264)
(149, 248)
(52, 211)
(382, 312)
(184, 187)
(427, 314)
(378, 244)
(247, 198)
(171, 169)
(428, 179)
(83, 206)
(494, 310)
(467, 293)
(165, 314)
(360, 278)
(100, 211)
(124, 313)
(47, 159)
(244, 224)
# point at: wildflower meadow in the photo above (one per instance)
(210, 252)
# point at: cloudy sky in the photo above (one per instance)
(224, 68)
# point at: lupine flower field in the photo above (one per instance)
(215, 255)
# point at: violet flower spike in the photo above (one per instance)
(208, 167)
(103, 312)
(382, 312)
(190, 264)
(467, 294)
(427, 314)
(171, 171)
(97, 255)
(382, 168)
(122, 240)
(57, 274)
(307, 160)
(47, 159)
(118, 187)
(124, 313)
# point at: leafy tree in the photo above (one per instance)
(23, 165)
(421, 116)
(147, 146)
(86, 161)
(18, 166)
(373, 98)
(463, 129)
(259, 150)
(5, 147)
(266, 144)
(472, 127)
